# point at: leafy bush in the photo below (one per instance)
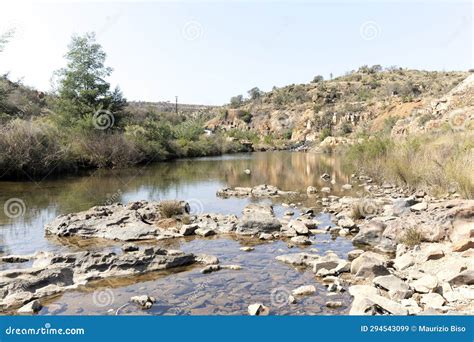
(325, 132)
(236, 101)
(246, 116)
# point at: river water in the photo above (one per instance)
(182, 291)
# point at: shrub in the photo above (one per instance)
(246, 116)
(236, 101)
(170, 208)
(318, 79)
(412, 237)
(31, 148)
(105, 150)
(346, 128)
(189, 130)
(325, 132)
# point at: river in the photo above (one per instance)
(182, 291)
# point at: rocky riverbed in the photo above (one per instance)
(413, 254)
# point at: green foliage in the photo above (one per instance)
(246, 116)
(5, 38)
(236, 101)
(325, 132)
(374, 147)
(255, 93)
(189, 130)
(82, 88)
(243, 135)
(389, 123)
(318, 79)
(287, 134)
(346, 128)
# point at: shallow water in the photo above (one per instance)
(183, 291)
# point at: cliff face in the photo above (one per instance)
(368, 99)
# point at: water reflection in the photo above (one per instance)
(193, 179)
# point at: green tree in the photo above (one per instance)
(236, 101)
(255, 93)
(84, 95)
(5, 38)
(318, 79)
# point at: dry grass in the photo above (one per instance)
(171, 208)
(411, 237)
(437, 163)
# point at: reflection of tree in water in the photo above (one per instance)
(288, 171)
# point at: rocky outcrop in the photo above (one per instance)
(259, 191)
(51, 274)
(135, 221)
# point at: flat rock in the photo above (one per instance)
(188, 229)
(204, 232)
(354, 254)
(54, 273)
(425, 284)
(301, 240)
(395, 286)
(304, 290)
(134, 221)
(419, 206)
(299, 227)
(298, 259)
(207, 259)
(210, 269)
(432, 300)
(369, 264)
(463, 245)
(257, 218)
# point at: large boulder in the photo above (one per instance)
(369, 265)
(371, 234)
(257, 218)
(396, 287)
(368, 301)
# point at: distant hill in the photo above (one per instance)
(370, 99)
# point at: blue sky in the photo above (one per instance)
(206, 52)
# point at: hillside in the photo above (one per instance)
(368, 99)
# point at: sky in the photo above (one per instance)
(206, 52)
